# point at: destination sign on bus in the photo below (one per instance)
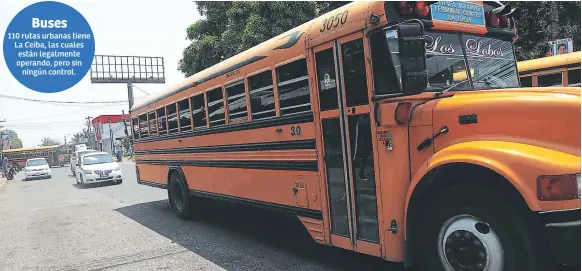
(458, 12)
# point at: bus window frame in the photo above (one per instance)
(187, 99)
(567, 81)
(248, 88)
(205, 110)
(165, 119)
(150, 125)
(133, 121)
(206, 104)
(167, 122)
(276, 82)
(550, 72)
(232, 83)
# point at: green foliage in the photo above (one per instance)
(327, 6)
(47, 141)
(535, 28)
(15, 142)
(229, 28)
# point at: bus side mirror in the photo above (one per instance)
(411, 44)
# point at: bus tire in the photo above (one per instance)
(472, 226)
(179, 196)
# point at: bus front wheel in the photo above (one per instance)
(470, 228)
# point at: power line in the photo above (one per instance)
(140, 89)
(62, 102)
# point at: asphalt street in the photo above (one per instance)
(54, 224)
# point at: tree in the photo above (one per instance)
(534, 26)
(15, 142)
(229, 28)
(327, 6)
(47, 141)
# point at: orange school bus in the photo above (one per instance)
(559, 70)
(355, 123)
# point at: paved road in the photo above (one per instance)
(53, 224)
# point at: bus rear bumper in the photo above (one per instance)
(562, 232)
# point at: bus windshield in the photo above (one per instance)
(450, 57)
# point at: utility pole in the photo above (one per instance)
(89, 141)
(130, 95)
(111, 137)
(129, 143)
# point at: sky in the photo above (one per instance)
(120, 27)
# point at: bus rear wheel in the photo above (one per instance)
(470, 228)
(179, 196)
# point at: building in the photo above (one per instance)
(109, 129)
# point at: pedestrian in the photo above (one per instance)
(4, 166)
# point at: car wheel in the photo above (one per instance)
(470, 228)
(119, 181)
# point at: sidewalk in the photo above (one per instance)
(128, 158)
(2, 182)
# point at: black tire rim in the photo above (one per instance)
(177, 193)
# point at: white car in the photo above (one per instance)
(97, 167)
(75, 159)
(37, 168)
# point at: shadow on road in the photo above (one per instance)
(92, 185)
(248, 234)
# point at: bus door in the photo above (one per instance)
(347, 144)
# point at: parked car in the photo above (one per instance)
(37, 168)
(75, 159)
(97, 167)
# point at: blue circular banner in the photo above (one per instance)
(49, 47)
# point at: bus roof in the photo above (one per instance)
(31, 149)
(546, 63)
(282, 49)
(305, 35)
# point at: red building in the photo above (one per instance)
(108, 128)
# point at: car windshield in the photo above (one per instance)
(450, 57)
(97, 159)
(36, 162)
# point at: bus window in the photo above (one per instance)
(574, 78)
(327, 81)
(236, 99)
(354, 69)
(293, 88)
(184, 113)
(172, 118)
(198, 111)
(162, 129)
(262, 95)
(526, 81)
(135, 125)
(153, 123)
(143, 126)
(548, 80)
(385, 76)
(215, 107)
